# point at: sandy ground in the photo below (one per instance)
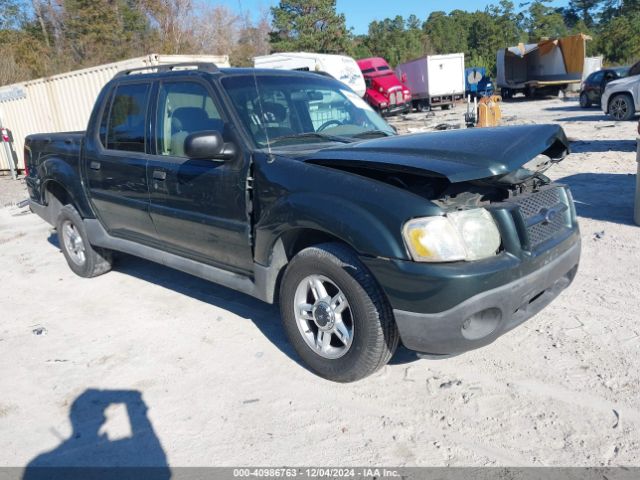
(146, 365)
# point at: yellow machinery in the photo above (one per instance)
(484, 112)
(488, 112)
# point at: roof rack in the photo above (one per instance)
(205, 67)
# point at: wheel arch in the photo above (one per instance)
(61, 181)
(623, 93)
(286, 246)
(54, 197)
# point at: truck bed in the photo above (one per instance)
(65, 145)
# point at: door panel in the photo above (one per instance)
(117, 170)
(198, 206)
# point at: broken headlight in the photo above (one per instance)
(464, 235)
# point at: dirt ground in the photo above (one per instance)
(146, 365)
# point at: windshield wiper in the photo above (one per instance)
(371, 133)
(322, 136)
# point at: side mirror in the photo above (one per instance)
(208, 144)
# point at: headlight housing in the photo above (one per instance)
(464, 235)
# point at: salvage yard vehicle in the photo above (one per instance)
(385, 93)
(434, 80)
(340, 67)
(287, 186)
(621, 98)
(594, 85)
(544, 68)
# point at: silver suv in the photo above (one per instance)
(621, 98)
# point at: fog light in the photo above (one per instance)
(481, 324)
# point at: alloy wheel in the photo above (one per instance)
(323, 316)
(73, 243)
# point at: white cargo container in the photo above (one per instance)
(340, 67)
(548, 66)
(64, 102)
(434, 80)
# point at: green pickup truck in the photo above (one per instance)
(288, 187)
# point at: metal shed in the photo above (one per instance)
(64, 102)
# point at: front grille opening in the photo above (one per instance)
(546, 214)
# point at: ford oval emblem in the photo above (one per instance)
(548, 214)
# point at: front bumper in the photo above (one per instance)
(395, 109)
(481, 319)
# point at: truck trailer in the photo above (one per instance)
(547, 67)
(434, 80)
(340, 67)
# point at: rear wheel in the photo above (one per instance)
(621, 107)
(85, 260)
(584, 100)
(335, 314)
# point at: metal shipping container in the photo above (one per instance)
(64, 102)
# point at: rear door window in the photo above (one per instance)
(126, 126)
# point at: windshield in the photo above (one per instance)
(622, 71)
(285, 110)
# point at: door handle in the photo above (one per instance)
(159, 175)
(94, 165)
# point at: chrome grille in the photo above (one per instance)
(392, 98)
(546, 214)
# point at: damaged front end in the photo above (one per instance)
(504, 244)
(467, 173)
(460, 168)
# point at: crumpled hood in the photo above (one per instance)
(458, 155)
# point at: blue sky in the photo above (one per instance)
(360, 13)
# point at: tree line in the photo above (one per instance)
(44, 37)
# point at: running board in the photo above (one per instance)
(262, 287)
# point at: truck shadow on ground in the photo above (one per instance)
(264, 316)
(586, 146)
(607, 197)
(89, 450)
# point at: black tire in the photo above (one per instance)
(374, 334)
(446, 107)
(621, 107)
(96, 260)
(584, 100)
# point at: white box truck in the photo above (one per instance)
(434, 80)
(340, 67)
(546, 67)
(64, 102)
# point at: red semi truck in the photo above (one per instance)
(385, 92)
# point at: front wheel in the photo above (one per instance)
(621, 107)
(335, 314)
